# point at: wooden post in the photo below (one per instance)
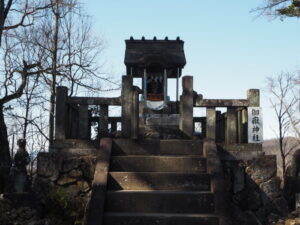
(61, 112)
(231, 126)
(126, 106)
(186, 107)
(103, 121)
(211, 123)
(135, 116)
(83, 130)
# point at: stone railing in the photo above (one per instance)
(229, 127)
(73, 118)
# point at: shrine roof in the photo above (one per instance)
(145, 53)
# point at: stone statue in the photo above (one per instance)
(19, 171)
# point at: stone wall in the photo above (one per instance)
(63, 186)
(75, 173)
(253, 190)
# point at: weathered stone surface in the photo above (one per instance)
(75, 173)
(281, 206)
(70, 164)
(251, 219)
(66, 180)
(83, 186)
(270, 189)
(239, 179)
(88, 167)
(262, 169)
(48, 165)
(253, 199)
(42, 186)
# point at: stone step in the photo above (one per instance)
(159, 202)
(159, 219)
(187, 164)
(157, 147)
(158, 181)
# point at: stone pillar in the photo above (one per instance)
(126, 106)
(135, 116)
(103, 121)
(61, 112)
(83, 121)
(240, 125)
(211, 123)
(253, 97)
(186, 107)
(218, 126)
(231, 126)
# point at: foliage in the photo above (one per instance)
(65, 208)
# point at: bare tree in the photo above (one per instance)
(14, 14)
(71, 54)
(282, 8)
(284, 102)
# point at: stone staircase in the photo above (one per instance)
(161, 182)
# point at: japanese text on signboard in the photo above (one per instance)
(255, 125)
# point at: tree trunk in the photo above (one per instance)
(54, 73)
(5, 160)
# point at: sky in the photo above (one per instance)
(228, 48)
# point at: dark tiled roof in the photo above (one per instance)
(163, 53)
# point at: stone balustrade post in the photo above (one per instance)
(126, 105)
(135, 115)
(211, 123)
(186, 107)
(61, 113)
(103, 121)
(231, 126)
(253, 97)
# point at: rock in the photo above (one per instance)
(76, 173)
(238, 179)
(87, 167)
(251, 219)
(247, 199)
(66, 180)
(270, 190)
(48, 165)
(262, 214)
(83, 186)
(294, 214)
(273, 218)
(281, 206)
(262, 169)
(42, 187)
(70, 164)
(292, 221)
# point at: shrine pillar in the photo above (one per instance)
(186, 107)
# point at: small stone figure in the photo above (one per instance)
(19, 171)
